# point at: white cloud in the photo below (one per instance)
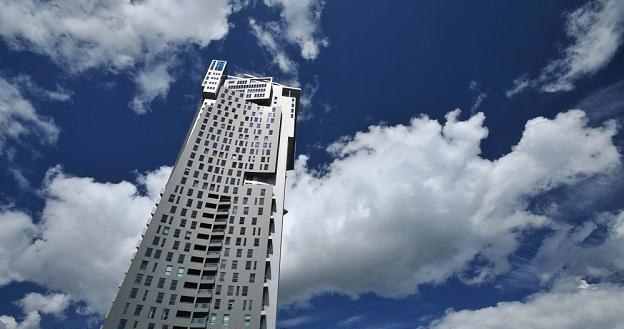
(300, 24)
(19, 119)
(596, 30)
(520, 84)
(268, 35)
(154, 181)
(33, 305)
(27, 85)
(46, 304)
(86, 235)
(151, 84)
(21, 126)
(479, 98)
(31, 321)
(589, 306)
(405, 205)
(604, 103)
(594, 249)
(352, 320)
(300, 320)
(16, 235)
(307, 94)
(116, 35)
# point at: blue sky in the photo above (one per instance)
(459, 162)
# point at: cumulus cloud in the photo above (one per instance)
(19, 119)
(154, 181)
(47, 304)
(16, 235)
(31, 321)
(33, 305)
(404, 205)
(85, 236)
(595, 31)
(588, 306)
(300, 24)
(117, 35)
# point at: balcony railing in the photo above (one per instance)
(198, 320)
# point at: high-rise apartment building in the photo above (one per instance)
(210, 254)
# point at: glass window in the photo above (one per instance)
(139, 278)
(152, 312)
(168, 270)
(226, 319)
(138, 309)
(180, 272)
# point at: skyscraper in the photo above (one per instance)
(210, 254)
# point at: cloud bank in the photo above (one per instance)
(588, 306)
(410, 204)
(85, 236)
(140, 37)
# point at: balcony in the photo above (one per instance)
(202, 306)
(204, 291)
(198, 321)
(208, 278)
